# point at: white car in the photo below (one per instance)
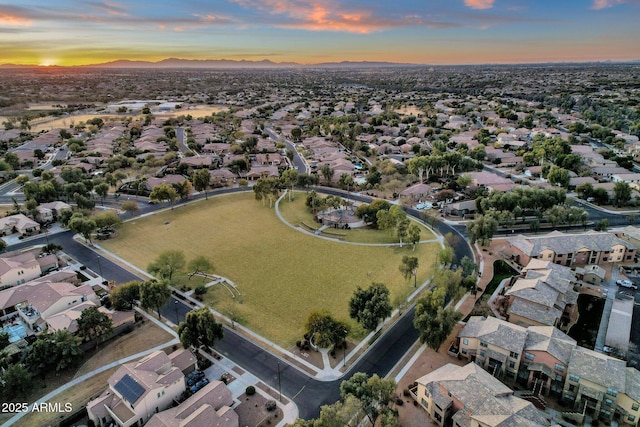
(626, 284)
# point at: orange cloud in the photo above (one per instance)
(14, 20)
(479, 4)
(318, 15)
(604, 4)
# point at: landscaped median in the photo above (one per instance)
(282, 273)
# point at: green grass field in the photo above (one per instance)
(283, 274)
(296, 213)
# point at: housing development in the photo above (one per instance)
(342, 244)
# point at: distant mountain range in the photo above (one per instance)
(179, 63)
(223, 63)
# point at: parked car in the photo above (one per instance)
(626, 284)
(197, 386)
(193, 377)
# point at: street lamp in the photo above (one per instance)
(100, 268)
(175, 305)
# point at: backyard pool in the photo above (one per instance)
(16, 332)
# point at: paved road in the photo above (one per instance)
(309, 393)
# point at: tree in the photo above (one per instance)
(164, 192)
(559, 176)
(124, 296)
(346, 181)
(199, 329)
(93, 324)
(394, 219)
(409, 267)
(13, 160)
(374, 393)
(602, 225)
(102, 190)
(81, 225)
(130, 206)
(432, 320)
(621, 193)
(413, 235)
(325, 331)
(167, 264)
(289, 179)
(201, 181)
(106, 220)
(68, 350)
(4, 340)
(154, 295)
(200, 264)
(469, 267)
(446, 255)
(370, 306)
(267, 189)
(327, 172)
(296, 134)
(482, 228)
(16, 383)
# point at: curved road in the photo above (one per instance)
(307, 392)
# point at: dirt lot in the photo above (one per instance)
(251, 411)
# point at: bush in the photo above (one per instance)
(250, 390)
(270, 405)
(399, 402)
(406, 392)
(200, 290)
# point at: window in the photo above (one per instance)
(529, 356)
(635, 407)
(424, 403)
(465, 341)
(572, 388)
(631, 418)
(559, 378)
(559, 367)
(574, 378)
(513, 355)
(158, 395)
(612, 392)
(464, 351)
(512, 364)
(482, 353)
(608, 402)
(483, 344)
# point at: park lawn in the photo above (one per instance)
(283, 274)
(296, 213)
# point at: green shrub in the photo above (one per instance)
(250, 390)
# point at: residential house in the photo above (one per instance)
(467, 395)
(48, 212)
(571, 249)
(68, 319)
(603, 386)
(18, 223)
(35, 301)
(19, 267)
(209, 407)
(137, 391)
(542, 295)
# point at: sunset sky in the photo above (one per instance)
(75, 32)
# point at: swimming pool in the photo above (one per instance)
(16, 332)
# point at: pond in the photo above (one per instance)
(585, 331)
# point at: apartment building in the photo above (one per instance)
(468, 396)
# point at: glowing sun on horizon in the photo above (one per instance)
(47, 63)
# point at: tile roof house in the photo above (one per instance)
(570, 249)
(137, 391)
(604, 385)
(542, 295)
(18, 223)
(18, 267)
(39, 299)
(538, 355)
(469, 396)
(209, 407)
